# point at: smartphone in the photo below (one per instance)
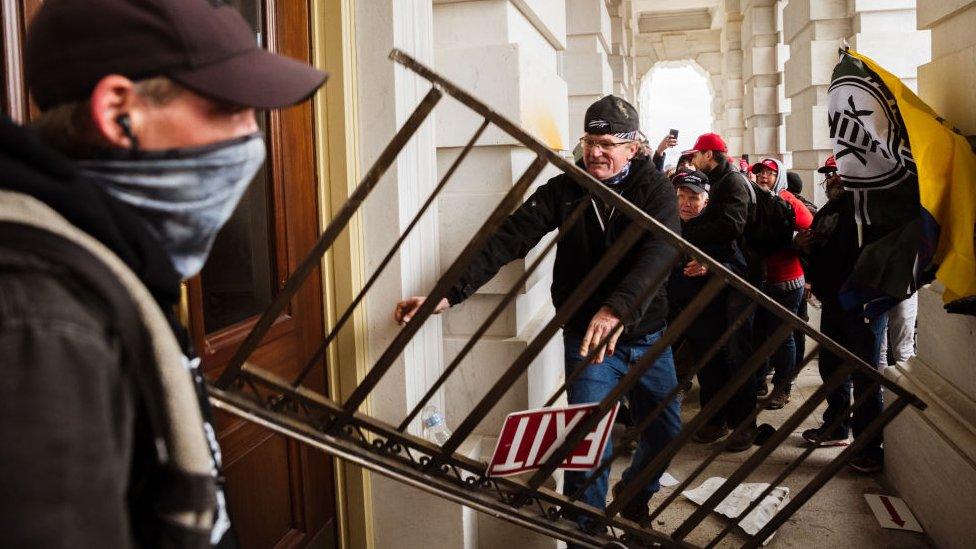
(673, 133)
(745, 157)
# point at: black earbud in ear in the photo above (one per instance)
(125, 123)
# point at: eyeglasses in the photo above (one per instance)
(604, 146)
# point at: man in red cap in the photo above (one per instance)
(722, 224)
(146, 142)
(784, 283)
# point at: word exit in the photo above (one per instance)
(528, 439)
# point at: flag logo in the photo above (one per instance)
(871, 146)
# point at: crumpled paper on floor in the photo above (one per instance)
(740, 498)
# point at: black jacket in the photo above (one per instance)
(682, 289)
(830, 262)
(724, 219)
(76, 455)
(580, 250)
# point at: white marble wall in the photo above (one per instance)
(507, 53)
(814, 31)
(586, 61)
(761, 76)
(733, 122)
(931, 455)
(387, 95)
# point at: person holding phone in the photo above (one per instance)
(669, 141)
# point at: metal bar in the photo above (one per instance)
(742, 472)
(834, 423)
(357, 422)
(638, 215)
(347, 314)
(609, 260)
(495, 313)
(390, 467)
(332, 231)
(646, 422)
(745, 424)
(827, 472)
(652, 288)
(712, 288)
(444, 284)
(657, 464)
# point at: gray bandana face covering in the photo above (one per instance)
(184, 195)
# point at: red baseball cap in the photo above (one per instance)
(205, 46)
(766, 163)
(710, 142)
(830, 165)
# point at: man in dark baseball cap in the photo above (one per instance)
(205, 46)
(613, 313)
(146, 141)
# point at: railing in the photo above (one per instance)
(339, 428)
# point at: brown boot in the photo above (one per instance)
(741, 441)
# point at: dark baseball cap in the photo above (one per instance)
(205, 45)
(694, 180)
(609, 115)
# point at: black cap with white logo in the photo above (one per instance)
(611, 115)
(693, 180)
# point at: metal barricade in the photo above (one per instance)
(284, 405)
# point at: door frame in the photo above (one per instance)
(336, 120)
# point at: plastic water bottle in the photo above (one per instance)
(435, 429)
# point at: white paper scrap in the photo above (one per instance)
(667, 480)
(740, 498)
(892, 512)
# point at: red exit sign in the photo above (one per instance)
(528, 439)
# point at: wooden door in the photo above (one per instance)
(280, 493)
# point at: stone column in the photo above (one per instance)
(505, 53)
(814, 30)
(930, 455)
(621, 54)
(733, 124)
(586, 63)
(387, 95)
(761, 76)
(886, 32)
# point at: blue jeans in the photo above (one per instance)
(863, 339)
(596, 382)
(783, 359)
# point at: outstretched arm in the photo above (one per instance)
(518, 234)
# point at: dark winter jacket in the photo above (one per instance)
(724, 218)
(581, 249)
(830, 261)
(79, 362)
(682, 289)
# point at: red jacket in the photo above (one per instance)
(784, 265)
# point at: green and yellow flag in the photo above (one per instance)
(914, 181)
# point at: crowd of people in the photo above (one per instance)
(809, 267)
(749, 217)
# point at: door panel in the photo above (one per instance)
(280, 493)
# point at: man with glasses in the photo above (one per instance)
(618, 309)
